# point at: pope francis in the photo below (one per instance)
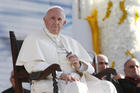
(49, 46)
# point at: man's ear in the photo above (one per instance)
(124, 70)
(44, 18)
(93, 64)
(64, 22)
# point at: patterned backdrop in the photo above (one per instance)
(24, 17)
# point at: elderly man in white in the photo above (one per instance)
(47, 47)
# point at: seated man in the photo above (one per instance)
(131, 83)
(12, 89)
(103, 65)
(49, 46)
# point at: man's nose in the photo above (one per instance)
(135, 67)
(104, 66)
(56, 21)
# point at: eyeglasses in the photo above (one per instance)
(101, 63)
(133, 66)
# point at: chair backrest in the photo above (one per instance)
(20, 74)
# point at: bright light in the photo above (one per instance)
(91, 2)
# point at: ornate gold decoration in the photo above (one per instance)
(113, 64)
(129, 53)
(108, 12)
(122, 7)
(92, 20)
(136, 16)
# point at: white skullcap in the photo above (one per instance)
(56, 7)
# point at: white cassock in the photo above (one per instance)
(43, 49)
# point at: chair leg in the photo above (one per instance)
(18, 86)
(55, 86)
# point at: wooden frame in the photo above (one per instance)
(21, 75)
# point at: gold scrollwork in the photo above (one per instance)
(108, 12)
(136, 16)
(122, 7)
(129, 53)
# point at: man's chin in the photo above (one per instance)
(55, 32)
(135, 76)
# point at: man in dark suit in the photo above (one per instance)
(103, 65)
(104, 72)
(131, 83)
(12, 89)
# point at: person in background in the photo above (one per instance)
(103, 63)
(131, 82)
(103, 67)
(12, 89)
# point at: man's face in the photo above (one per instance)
(54, 20)
(102, 63)
(132, 69)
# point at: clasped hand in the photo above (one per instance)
(68, 77)
(74, 60)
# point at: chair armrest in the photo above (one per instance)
(106, 72)
(21, 74)
(43, 74)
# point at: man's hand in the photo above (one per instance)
(118, 76)
(74, 60)
(138, 85)
(67, 78)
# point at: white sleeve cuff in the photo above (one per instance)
(83, 67)
(86, 67)
(58, 74)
